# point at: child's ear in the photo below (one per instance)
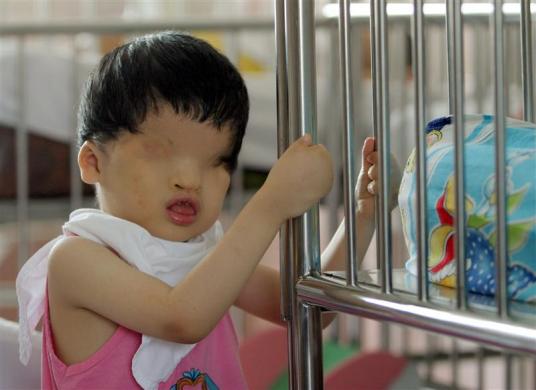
(89, 157)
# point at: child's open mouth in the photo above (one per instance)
(182, 211)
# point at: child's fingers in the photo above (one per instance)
(303, 140)
(373, 172)
(368, 149)
(372, 187)
(372, 158)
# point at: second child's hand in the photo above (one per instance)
(366, 187)
(367, 183)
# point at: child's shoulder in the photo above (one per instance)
(74, 251)
(75, 262)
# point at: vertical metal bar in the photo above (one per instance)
(293, 331)
(533, 370)
(288, 298)
(307, 318)
(522, 373)
(376, 105)
(405, 340)
(456, 102)
(381, 129)
(307, 69)
(289, 28)
(401, 31)
(431, 348)
(480, 368)
(76, 183)
(333, 143)
(420, 150)
(22, 158)
(282, 144)
(356, 82)
(526, 54)
(508, 370)
(501, 251)
(385, 336)
(454, 364)
(310, 323)
(308, 121)
(385, 152)
(358, 335)
(479, 64)
(508, 45)
(349, 173)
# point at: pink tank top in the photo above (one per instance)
(213, 363)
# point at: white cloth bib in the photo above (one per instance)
(166, 260)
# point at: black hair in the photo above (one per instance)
(170, 67)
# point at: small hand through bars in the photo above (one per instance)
(368, 180)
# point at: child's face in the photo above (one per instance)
(169, 178)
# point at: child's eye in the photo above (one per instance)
(224, 161)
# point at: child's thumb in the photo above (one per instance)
(368, 148)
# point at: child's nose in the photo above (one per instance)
(186, 178)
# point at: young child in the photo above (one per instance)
(137, 294)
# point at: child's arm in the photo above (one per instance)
(334, 256)
(88, 276)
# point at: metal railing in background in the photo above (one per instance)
(22, 160)
(312, 291)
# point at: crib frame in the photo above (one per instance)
(306, 291)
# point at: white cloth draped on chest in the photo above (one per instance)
(166, 260)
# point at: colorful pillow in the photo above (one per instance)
(479, 205)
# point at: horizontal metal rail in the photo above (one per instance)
(333, 294)
(112, 26)
(54, 27)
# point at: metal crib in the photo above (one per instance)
(306, 290)
(367, 294)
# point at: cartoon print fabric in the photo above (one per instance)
(480, 204)
(194, 379)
